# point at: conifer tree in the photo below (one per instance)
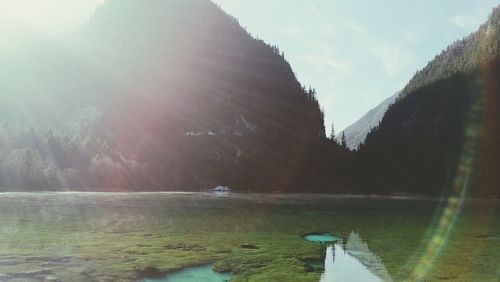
(332, 133)
(343, 141)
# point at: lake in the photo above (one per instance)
(244, 237)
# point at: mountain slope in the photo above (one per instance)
(462, 56)
(447, 115)
(173, 95)
(356, 133)
(203, 59)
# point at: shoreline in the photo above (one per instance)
(241, 195)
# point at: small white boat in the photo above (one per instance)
(222, 189)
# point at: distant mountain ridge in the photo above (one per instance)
(356, 133)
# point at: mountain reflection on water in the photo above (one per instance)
(353, 261)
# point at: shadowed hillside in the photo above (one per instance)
(163, 95)
(452, 103)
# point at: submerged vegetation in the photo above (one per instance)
(111, 237)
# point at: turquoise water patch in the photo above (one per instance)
(203, 273)
(321, 238)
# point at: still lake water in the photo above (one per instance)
(129, 237)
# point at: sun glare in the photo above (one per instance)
(48, 16)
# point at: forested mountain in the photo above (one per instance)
(158, 95)
(355, 134)
(462, 56)
(447, 115)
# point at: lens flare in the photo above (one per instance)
(467, 171)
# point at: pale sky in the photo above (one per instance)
(355, 53)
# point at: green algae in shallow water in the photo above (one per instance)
(203, 273)
(314, 263)
(114, 235)
(321, 238)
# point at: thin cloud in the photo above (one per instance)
(294, 31)
(470, 20)
(394, 59)
(462, 21)
(324, 61)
